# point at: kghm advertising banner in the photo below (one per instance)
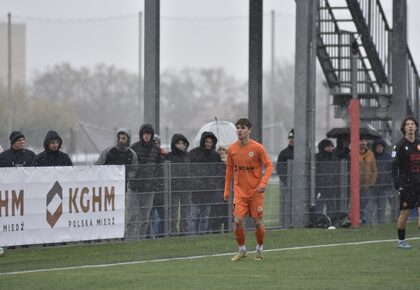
(61, 204)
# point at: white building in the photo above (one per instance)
(18, 37)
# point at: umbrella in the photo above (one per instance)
(366, 131)
(224, 131)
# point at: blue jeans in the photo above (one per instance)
(200, 219)
(366, 213)
(156, 222)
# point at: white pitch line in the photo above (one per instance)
(196, 257)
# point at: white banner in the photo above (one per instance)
(61, 204)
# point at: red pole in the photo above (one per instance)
(354, 110)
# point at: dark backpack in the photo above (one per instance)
(319, 220)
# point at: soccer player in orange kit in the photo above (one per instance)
(245, 161)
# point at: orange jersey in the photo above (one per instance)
(245, 164)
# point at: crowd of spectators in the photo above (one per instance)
(377, 196)
(192, 202)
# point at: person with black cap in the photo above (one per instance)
(327, 179)
(17, 155)
(285, 155)
(52, 156)
(146, 183)
(281, 168)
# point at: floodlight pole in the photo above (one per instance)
(151, 84)
(9, 73)
(140, 76)
(354, 112)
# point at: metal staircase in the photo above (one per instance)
(340, 22)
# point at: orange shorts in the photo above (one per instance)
(253, 207)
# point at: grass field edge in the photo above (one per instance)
(196, 257)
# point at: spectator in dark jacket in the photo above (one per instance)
(281, 168)
(342, 151)
(327, 179)
(383, 187)
(17, 155)
(52, 156)
(157, 215)
(143, 188)
(285, 155)
(204, 160)
(180, 185)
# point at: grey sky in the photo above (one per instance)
(195, 33)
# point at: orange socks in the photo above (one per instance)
(259, 234)
(240, 236)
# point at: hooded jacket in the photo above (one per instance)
(119, 154)
(180, 167)
(207, 177)
(384, 165)
(327, 171)
(148, 171)
(49, 157)
(368, 170)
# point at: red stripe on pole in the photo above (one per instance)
(354, 110)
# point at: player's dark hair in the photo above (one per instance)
(409, 118)
(244, 122)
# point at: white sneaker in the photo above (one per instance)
(259, 255)
(239, 256)
(403, 245)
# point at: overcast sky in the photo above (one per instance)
(195, 33)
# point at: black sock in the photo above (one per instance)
(401, 234)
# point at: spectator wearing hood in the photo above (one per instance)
(120, 153)
(180, 200)
(157, 215)
(52, 156)
(204, 165)
(146, 183)
(17, 155)
(383, 187)
(327, 178)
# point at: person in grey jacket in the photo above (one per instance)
(120, 153)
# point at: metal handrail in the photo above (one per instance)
(379, 31)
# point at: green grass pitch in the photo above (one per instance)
(378, 265)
